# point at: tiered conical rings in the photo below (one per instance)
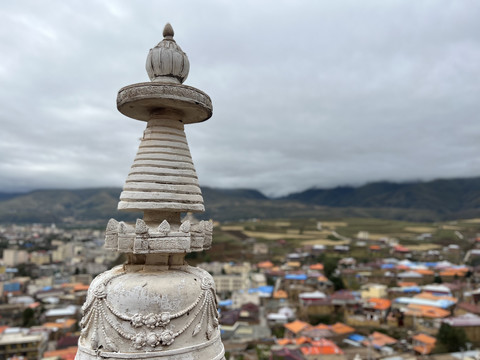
(162, 176)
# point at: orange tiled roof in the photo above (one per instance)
(424, 350)
(379, 340)
(265, 264)
(430, 296)
(341, 329)
(424, 271)
(426, 311)
(424, 338)
(321, 347)
(453, 272)
(379, 303)
(69, 285)
(283, 341)
(297, 326)
(60, 325)
(3, 328)
(81, 287)
(322, 278)
(374, 247)
(34, 305)
(64, 354)
(407, 283)
(280, 294)
(423, 343)
(401, 248)
(317, 266)
(321, 327)
(302, 340)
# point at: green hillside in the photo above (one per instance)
(427, 201)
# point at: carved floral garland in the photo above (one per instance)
(98, 311)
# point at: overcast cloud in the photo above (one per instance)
(305, 93)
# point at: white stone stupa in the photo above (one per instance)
(156, 306)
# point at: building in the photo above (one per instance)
(373, 291)
(14, 257)
(21, 342)
(230, 283)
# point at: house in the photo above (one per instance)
(322, 349)
(470, 323)
(463, 308)
(411, 276)
(284, 353)
(294, 328)
(379, 340)
(69, 312)
(59, 328)
(377, 308)
(22, 342)
(341, 331)
(68, 353)
(249, 313)
(423, 344)
(373, 291)
(311, 297)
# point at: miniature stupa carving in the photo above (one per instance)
(156, 306)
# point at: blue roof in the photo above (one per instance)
(357, 337)
(11, 287)
(443, 304)
(266, 289)
(388, 266)
(410, 289)
(296, 277)
(261, 289)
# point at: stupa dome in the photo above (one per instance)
(167, 62)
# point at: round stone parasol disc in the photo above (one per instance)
(141, 101)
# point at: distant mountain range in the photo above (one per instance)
(415, 201)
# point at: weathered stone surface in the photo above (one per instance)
(156, 306)
(129, 314)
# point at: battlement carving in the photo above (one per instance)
(141, 239)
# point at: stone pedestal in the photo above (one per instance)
(156, 306)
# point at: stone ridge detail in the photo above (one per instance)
(169, 90)
(142, 239)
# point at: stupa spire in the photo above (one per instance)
(168, 31)
(156, 306)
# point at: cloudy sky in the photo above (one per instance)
(305, 93)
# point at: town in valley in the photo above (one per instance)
(358, 288)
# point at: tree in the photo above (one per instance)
(28, 318)
(329, 266)
(337, 282)
(450, 339)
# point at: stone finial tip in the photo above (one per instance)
(168, 31)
